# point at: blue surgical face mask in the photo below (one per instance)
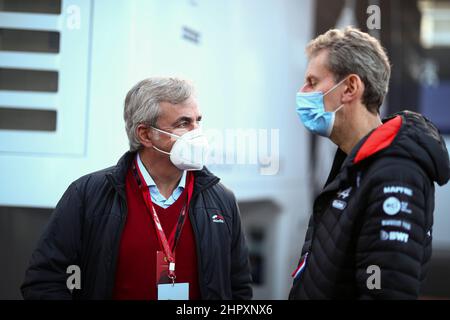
(311, 111)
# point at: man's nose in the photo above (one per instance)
(195, 125)
(304, 88)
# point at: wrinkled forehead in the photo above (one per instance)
(171, 113)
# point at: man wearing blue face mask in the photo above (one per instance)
(158, 225)
(370, 231)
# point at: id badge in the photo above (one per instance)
(162, 268)
(173, 291)
(167, 290)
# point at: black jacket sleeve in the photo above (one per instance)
(394, 233)
(57, 249)
(241, 278)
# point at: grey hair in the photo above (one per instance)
(351, 51)
(142, 103)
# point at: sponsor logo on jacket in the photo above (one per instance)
(398, 189)
(394, 236)
(217, 218)
(392, 206)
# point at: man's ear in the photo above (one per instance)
(354, 89)
(144, 134)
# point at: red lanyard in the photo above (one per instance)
(168, 245)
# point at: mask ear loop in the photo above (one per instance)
(339, 108)
(335, 86)
(165, 152)
(168, 133)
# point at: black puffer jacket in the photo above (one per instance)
(370, 233)
(86, 226)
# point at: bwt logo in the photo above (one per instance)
(374, 280)
(74, 280)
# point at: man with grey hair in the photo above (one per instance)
(158, 225)
(370, 231)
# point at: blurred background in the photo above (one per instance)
(66, 66)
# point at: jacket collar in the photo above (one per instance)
(374, 142)
(380, 138)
